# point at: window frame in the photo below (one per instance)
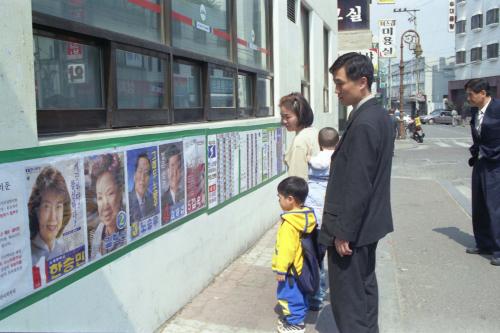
(326, 53)
(252, 110)
(219, 113)
(479, 56)
(480, 22)
(203, 88)
(493, 10)
(263, 111)
(462, 52)
(464, 29)
(488, 51)
(109, 117)
(140, 117)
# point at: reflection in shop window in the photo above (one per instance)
(67, 74)
(187, 86)
(264, 96)
(138, 18)
(221, 88)
(201, 26)
(245, 91)
(252, 36)
(140, 81)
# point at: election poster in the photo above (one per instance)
(195, 153)
(105, 203)
(212, 170)
(56, 218)
(266, 155)
(173, 180)
(243, 161)
(16, 278)
(143, 191)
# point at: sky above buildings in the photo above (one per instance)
(432, 25)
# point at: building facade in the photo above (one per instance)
(477, 47)
(84, 83)
(425, 82)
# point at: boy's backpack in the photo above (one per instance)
(308, 280)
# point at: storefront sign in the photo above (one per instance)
(451, 16)
(387, 43)
(353, 14)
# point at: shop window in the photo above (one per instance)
(252, 33)
(245, 96)
(476, 21)
(492, 51)
(492, 16)
(140, 81)
(264, 97)
(187, 89)
(221, 93)
(68, 76)
(140, 19)
(201, 27)
(476, 54)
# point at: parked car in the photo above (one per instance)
(438, 116)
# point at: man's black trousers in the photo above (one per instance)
(486, 205)
(354, 290)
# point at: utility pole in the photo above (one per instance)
(412, 19)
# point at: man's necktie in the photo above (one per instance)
(480, 116)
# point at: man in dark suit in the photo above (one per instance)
(140, 199)
(485, 162)
(357, 211)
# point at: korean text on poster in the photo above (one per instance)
(387, 33)
(56, 219)
(143, 191)
(173, 181)
(194, 153)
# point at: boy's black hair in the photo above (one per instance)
(295, 187)
(328, 137)
(356, 66)
(478, 85)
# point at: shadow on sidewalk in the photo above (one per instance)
(323, 320)
(462, 238)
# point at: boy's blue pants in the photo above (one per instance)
(293, 303)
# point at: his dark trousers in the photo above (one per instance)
(486, 205)
(354, 290)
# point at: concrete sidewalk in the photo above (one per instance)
(424, 277)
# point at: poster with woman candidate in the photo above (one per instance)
(194, 156)
(56, 219)
(143, 191)
(172, 179)
(15, 253)
(105, 203)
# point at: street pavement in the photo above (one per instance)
(427, 283)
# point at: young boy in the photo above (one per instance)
(295, 220)
(319, 172)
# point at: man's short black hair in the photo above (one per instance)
(142, 155)
(295, 187)
(477, 85)
(356, 66)
(328, 137)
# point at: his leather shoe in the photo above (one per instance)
(476, 250)
(495, 261)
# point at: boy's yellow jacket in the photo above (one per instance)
(288, 249)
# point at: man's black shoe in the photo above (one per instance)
(495, 261)
(475, 250)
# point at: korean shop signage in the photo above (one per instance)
(353, 14)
